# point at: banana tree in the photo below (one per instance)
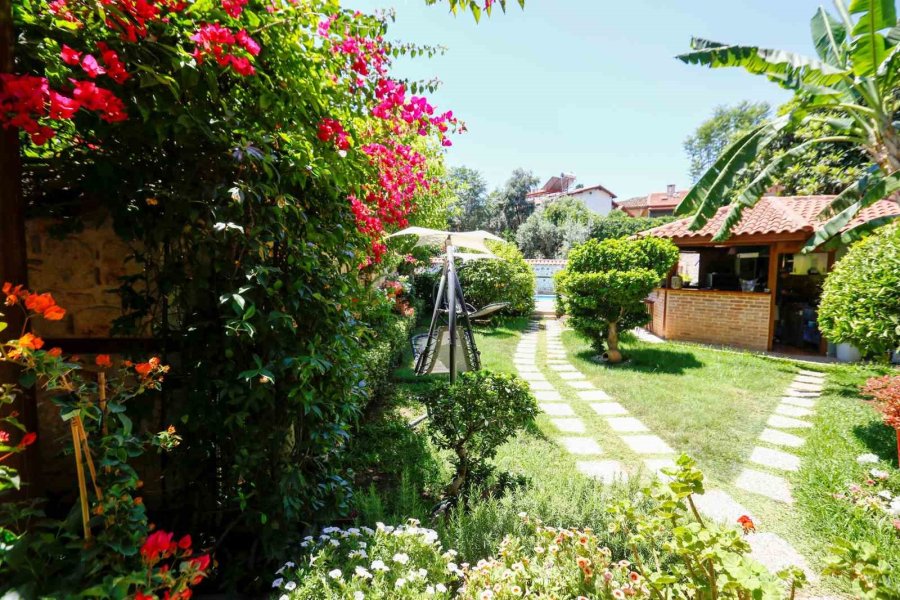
(852, 89)
(476, 7)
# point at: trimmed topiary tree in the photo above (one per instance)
(605, 283)
(861, 297)
(509, 279)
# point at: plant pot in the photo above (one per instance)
(612, 356)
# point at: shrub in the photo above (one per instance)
(474, 416)
(509, 279)
(605, 283)
(860, 304)
(387, 562)
(886, 392)
(618, 224)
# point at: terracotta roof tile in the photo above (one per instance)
(772, 215)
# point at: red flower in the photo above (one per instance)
(158, 545)
(55, 352)
(70, 56)
(28, 439)
(201, 563)
(185, 542)
(103, 360)
(746, 523)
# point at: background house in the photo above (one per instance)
(754, 290)
(655, 204)
(596, 197)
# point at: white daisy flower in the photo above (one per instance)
(867, 458)
(379, 565)
(400, 583)
(284, 597)
(335, 573)
(363, 572)
(401, 558)
(358, 595)
(441, 588)
(335, 543)
(290, 585)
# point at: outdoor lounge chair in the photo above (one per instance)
(434, 357)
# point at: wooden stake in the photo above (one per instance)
(82, 484)
(89, 458)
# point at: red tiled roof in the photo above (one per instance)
(772, 215)
(571, 192)
(653, 201)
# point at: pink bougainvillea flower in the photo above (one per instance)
(92, 67)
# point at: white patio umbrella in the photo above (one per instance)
(473, 240)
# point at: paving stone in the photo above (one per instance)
(770, 486)
(531, 369)
(580, 445)
(540, 385)
(647, 444)
(533, 376)
(525, 357)
(571, 425)
(557, 361)
(570, 375)
(780, 422)
(626, 424)
(594, 395)
(720, 506)
(563, 367)
(551, 395)
(804, 402)
(775, 459)
(781, 438)
(809, 373)
(656, 465)
(776, 553)
(792, 411)
(606, 409)
(801, 393)
(557, 409)
(807, 387)
(580, 385)
(809, 379)
(606, 471)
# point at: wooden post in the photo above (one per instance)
(773, 289)
(13, 258)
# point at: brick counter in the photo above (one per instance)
(713, 317)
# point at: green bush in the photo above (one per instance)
(474, 416)
(605, 283)
(618, 224)
(383, 563)
(510, 279)
(860, 300)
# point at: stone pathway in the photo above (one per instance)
(780, 437)
(772, 454)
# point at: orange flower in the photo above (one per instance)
(103, 360)
(55, 352)
(746, 523)
(13, 293)
(143, 369)
(44, 305)
(31, 342)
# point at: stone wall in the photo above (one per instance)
(82, 272)
(738, 319)
(544, 270)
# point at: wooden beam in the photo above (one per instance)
(772, 284)
(13, 255)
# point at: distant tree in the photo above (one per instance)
(568, 208)
(538, 237)
(717, 132)
(618, 224)
(552, 230)
(470, 189)
(511, 205)
(509, 279)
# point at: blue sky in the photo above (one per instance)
(590, 86)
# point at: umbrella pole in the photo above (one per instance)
(451, 307)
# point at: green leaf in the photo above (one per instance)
(789, 70)
(870, 48)
(711, 191)
(828, 36)
(126, 423)
(867, 195)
